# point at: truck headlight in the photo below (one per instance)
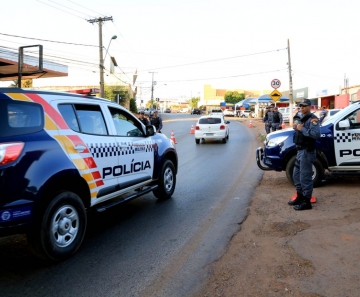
(276, 141)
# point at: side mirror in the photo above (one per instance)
(227, 122)
(150, 130)
(345, 124)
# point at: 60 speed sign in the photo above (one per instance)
(275, 83)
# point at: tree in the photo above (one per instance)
(111, 91)
(27, 83)
(133, 107)
(193, 102)
(233, 97)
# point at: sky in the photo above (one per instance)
(186, 44)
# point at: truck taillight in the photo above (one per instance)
(9, 152)
(197, 128)
(222, 127)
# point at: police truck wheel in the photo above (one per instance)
(224, 140)
(167, 181)
(197, 141)
(318, 171)
(61, 229)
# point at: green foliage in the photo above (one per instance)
(193, 102)
(233, 97)
(111, 91)
(25, 83)
(133, 107)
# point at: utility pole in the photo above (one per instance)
(100, 21)
(152, 89)
(290, 87)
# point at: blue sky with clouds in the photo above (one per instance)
(228, 44)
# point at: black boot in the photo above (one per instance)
(306, 204)
(298, 200)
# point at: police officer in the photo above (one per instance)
(277, 120)
(143, 119)
(156, 121)
(268, 119)
(307, 131)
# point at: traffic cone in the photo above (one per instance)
(283, 125)
(192, 130)
(172, 138)
(312, 199)
(250, 124)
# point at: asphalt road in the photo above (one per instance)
(146, 247)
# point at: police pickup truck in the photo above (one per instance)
(62, 155)
(337, 150)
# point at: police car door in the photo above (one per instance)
(347, 143)
(135, 163)
(90, 146)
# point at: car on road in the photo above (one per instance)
(212, 127)
(195, 111)
(62, 155)
(228, 112)
(167, 110)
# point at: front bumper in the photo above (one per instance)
(260, 159)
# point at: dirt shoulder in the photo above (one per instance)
(283, 252)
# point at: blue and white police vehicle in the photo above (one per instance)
(337, 150)
(64, 154)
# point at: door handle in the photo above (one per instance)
(80, 148)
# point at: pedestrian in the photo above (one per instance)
(268, 118)
(156, 121)
(307, 130)
(323, 114)
(277, 120)
(143, 119)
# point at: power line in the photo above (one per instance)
(60, 9)
(65, 6)
(215, 60)
(47, 40)
(84, 7)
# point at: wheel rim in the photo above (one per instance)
(64, 226)
(168, 179)
(313, 172)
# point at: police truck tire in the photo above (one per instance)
(61, 229)
(197, 141)
(167, 181)
(318, 171)
(224, 140)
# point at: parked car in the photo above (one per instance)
(149, 111)
(168, 110)
(195, 111)
(63, 154)
(337, 150)
(246, 114)
(217, 111)
(329, 114)
(228, 112)
(212, 127)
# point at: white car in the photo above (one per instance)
(228, 112)
(212, 127)
(246, 113)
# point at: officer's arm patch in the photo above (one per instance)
(314, 121)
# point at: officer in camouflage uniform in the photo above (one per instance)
(307, 131)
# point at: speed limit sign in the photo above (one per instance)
(275, 83)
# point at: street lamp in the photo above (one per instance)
(102, 65)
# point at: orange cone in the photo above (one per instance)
(283, 125)
(192, 130)
(250, 124)
(312, 199)
(172, 138)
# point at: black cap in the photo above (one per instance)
(305, 102)
(142, 112)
